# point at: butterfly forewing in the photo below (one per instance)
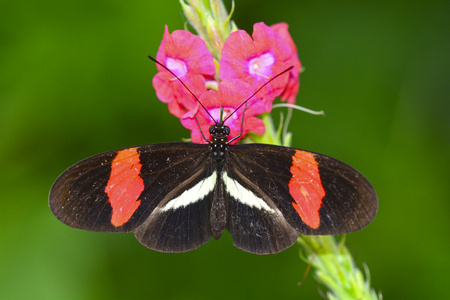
(78, 198)
(350, 202)
(118, 190)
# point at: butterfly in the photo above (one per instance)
(175, 196)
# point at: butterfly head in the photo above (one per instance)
(219, 132)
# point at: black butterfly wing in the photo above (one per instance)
(131, 189)
(281, 192)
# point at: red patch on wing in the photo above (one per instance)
(306, 187)
(124, 186)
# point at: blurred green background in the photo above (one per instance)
(75, 81)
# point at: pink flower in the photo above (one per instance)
(231, 94)
(186, 55)
(247, 63)
(257, 60)
(291, 90)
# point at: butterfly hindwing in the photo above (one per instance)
(180, 200)
(255, 220)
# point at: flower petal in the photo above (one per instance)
(186, 55)
(257, 60)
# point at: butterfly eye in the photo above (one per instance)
(227, 130)
(212, 129)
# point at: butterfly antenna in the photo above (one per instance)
(181, 81)
(273, 78)
(242, 125)
(201, 131)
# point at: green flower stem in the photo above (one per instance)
(335, 268)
